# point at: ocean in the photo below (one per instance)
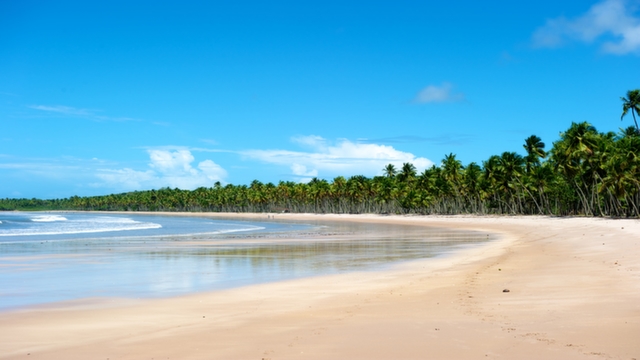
(25, 227)
(51, 257)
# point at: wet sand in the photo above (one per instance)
(574, 293)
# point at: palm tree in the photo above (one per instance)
(452, 168)
(490, 182)
(631, 102)
(541, 179)
(452, 173)
(471, 182)
(408, 172)
(535, 151)
(390, 171)
(509, 171)
(576, 156)
(356, 186)
(575, 145)
(621, 176)
(630, 131)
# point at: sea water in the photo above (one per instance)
(49, 257)
(24, 227)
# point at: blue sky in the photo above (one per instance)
(103, 97)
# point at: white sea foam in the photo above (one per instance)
(248, 228)
(228, 231)
(48, 218)
(59, 225)
(54, 226)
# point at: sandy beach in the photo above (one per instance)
(573, 293)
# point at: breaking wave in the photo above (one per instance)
(60, 225)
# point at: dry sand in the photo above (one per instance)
(574, 294)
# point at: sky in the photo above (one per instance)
(100, 97)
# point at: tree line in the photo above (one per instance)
(586, 172)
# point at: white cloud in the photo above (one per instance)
(65, 110)
(78, 113)
(168, 168)
(436, 94)
(209, 141)
(126, 178)
(168, 162)
(212, 171)
(302, 174)
(340, 158)
(301, 170)
(610, 21)
(313, 141)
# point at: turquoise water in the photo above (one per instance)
(59, 256)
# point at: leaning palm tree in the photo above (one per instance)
(631, 102)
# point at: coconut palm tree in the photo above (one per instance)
(471, 182)
(621, 178)
(630, 131)
(575, 145)
(451, 168)
(541, 178)
(408, 172)
(535, 151)
(631, 102)
(577, 156)
(390, 171)
(510, 169)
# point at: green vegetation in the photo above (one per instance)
(585, 173)
(631, 102)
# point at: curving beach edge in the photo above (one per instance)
(552, 288)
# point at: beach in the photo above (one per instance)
(552, 288)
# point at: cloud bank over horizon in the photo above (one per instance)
(168, 168)
(338, 158)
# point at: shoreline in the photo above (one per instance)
(574, 294)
